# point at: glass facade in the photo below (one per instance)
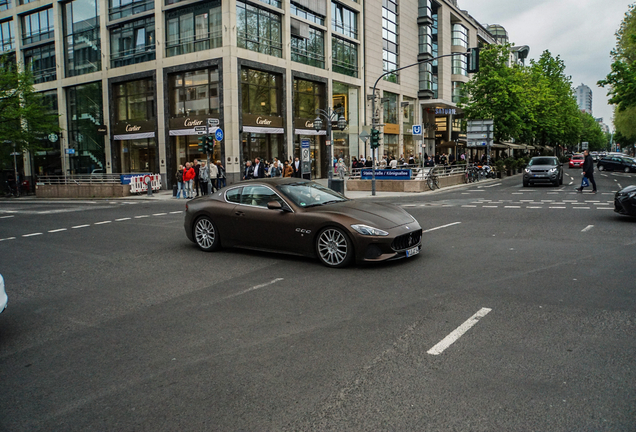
(132, 42)
(424, 8)
(390, 39)
(302, 12)
(311, 50)
(344, 20)
(6, 36)
(390, 108)
(41, 62)
(194, 93)
(459, 65)
(309, 96)
(426, 76)
(123, 8)
(37, 26)
(425, 36)
(344, 56)
(457, 91)
(408, 119)
(460, 36)
(85, 113)
(82, 43)
(193, 28)
(258, 30)
(345, 142)
(47, 160)
(4, 5)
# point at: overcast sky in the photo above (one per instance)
(580, 31)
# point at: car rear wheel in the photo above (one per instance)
(601, 168)
(334, 248)
(206, 235)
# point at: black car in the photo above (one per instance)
(543, 169)
(625, 201)
(616, 163)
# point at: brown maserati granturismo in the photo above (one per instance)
(301, 217)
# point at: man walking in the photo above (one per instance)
(259, 169)
(248, 174)
(296, 167)
(588, 171)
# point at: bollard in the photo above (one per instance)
(149, 184)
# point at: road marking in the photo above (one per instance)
(604, 208)
(440, 227)
(489, 206)
(175, 212)
(102, 222)
(403, 205)
(4, 217)
(587, 228)
(477, 190)
(159, 214)
(469, 206)
(512, 206)
(122, 219)
(458, 332)
(517, 193)
(602, 203)
(253, 288)
(8, 238)
(581, 208)
(31, 235)
(557, 207)
(553, 193)
(619, 186)
(80, 226)
(571, 183)
(534, 207)
(142, 216)
(496, 184)
(57, 230)
(465, 193)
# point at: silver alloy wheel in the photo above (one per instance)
(204, 233)
(600, 168)
(333, 247)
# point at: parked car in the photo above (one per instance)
(616, 163)
(3, 295)
(302, 218)
(625, 201)
(576, 161)
(543, 169)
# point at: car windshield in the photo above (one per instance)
(578, 157)
(542, 161)
(309, 194)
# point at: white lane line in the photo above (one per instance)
(175, 212)
(465, 193)
(102, 222)
(476, 190)
(589, 201)
(57, 230)
(5, 217)
(122, 219)
(489, 206)
(587, 228)
(440, 227)
(604, 208)
(517, 193)
(619, 186)
(557, 207)
(253, 288)
(458, 332)
(496, 184)
(534, 207)
(8, 238)
(469, 206)
(512, 206)
(31, 235)
(601, 203)
(80, 226)
(581, 208)
(159, 214)
(142, 216)
(553, 193)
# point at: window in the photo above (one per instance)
(258, 196)
(390, 39)
(457, 91)
(6, 36)
(37, 26)
(344, 20)
(194, 93)
(135, 100)
(194, 28)
(460, 36)
(307, 98)
(84, 114)
(425, 40)
(82, 42)
(233, 195)
(258, 30)
(275, 3)
(259, 92)
(459, 65)
(424, 8)
(4, 5)
(307, 14)
(311, 50)
(123, 8)
(133, 42)
(426, 76)
(390, 108)
(344, 57)
(41, 62)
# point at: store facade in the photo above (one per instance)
(346, 143)
(309, 95)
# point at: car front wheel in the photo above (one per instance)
(334, 248)
(601, 168)
(206, 235)
(626, 169)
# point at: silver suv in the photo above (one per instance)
(543, 169)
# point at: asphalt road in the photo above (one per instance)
(117, 322)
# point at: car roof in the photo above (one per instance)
(275, 181)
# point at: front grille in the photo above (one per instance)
(406, 241)
(539, 171)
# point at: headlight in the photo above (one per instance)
(553, 170)
(526, 170)
(631, 194)
(370, 231)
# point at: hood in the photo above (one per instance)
(628, 189)
(383, 216)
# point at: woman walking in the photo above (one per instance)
(179, 177)
(204, 177)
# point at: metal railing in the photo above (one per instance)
(79, 179)
(421, 173)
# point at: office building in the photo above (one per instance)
(584, 98)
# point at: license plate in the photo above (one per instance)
(539, 175)
(413, 251)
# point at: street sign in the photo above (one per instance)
(200, 130)
(70, 151)
(417, 129)
(584, 145)
(304, 144)
(364, 135)
(16, 154)
(53, 136)
(213, 122)
(479, 133)
(327, 143)
(219, 134)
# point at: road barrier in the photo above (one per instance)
(138, 183)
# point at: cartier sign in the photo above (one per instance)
(306, 124)
(262, 121)
(189, 122)
(132, 128)
(122, 128)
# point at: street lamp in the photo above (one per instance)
(341, 124)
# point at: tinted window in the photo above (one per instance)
(258, 196)
(233, 195)
(308, 194)
(542, 161)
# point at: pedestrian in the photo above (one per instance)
(179, 178)
(296, 167)
(393, 164)
(248, 174)
(288, 171)
(341, 169)
(274, 170)
(259, 168)
(214, 176)
(204, 177)
(196, 167)
(437, 158)
(588, 171)
(411, 160)
(220, 175)
(188, 179)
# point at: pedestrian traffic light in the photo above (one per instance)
(375, 138)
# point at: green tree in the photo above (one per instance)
(24, 119)
(591, 132)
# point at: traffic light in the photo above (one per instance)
(210, 143)
(375, 138)
(473, 60)
(203, 144)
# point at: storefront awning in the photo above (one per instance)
(183, 132)
(308, 132)
(142, 135)
(263, 130)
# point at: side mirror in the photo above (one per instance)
(274, 205)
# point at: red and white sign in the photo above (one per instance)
(139, 184)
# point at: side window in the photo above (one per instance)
(258, 196)
(233, 195)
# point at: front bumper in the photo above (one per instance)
(576, 164)
(384, 248)
(544, 177)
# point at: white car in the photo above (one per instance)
(3, 295)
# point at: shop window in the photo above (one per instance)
(258, 30)
(192, 29)
(133, 42)
(82, 41)
(260, 92)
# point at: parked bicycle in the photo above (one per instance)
(10, 190)
(432, 180)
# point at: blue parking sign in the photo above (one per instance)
(219, 134)
(417, 129)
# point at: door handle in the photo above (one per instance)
(239, 213)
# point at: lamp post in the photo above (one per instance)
(328, 114)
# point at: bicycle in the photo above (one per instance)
(10, 191)
(433, 180)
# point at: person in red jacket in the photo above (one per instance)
(188, 179)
